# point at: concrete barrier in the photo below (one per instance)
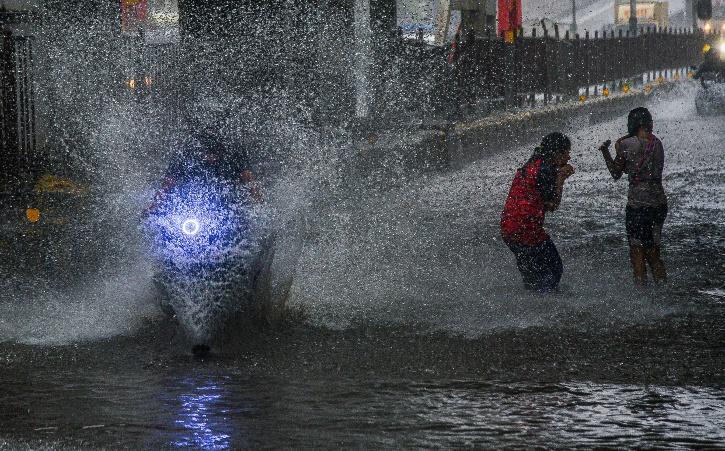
(472, 140)
(453, 145)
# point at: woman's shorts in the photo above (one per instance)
(644, 225)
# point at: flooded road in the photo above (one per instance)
(416, 332)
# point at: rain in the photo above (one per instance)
(362, 224)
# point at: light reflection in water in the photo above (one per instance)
(203, 420)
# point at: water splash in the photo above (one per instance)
(211, 273)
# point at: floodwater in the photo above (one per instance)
(416, 332)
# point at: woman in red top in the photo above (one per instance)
(536, 189)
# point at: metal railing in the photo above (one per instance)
(485, 75)
(17, 104)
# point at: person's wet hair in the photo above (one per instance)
(552, 145)
(638, 118)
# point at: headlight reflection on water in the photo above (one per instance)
(203, 422)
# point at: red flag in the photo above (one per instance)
(133, 15)
(453, 53)
(510, 16)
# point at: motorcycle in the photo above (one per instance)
(213, 248)
(710, 99)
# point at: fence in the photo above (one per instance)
(483, 75)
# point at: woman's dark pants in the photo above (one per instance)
(540, 265)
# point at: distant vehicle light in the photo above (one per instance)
(190, 227)
(147, 81)
(708, 27)
(131, 83)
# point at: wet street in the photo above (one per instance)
(412, 329)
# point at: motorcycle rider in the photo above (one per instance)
(203, 156)
(640, 155)
(712, 65)
(536, 189)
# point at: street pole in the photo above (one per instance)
(633, 17)
(573, 17)
(363, 57)
(443, 18)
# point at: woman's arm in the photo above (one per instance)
(614, 165)
(659, 160)
(564, 173)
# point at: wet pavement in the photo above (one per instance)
(414, 330)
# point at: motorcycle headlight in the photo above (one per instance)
(190, 227)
